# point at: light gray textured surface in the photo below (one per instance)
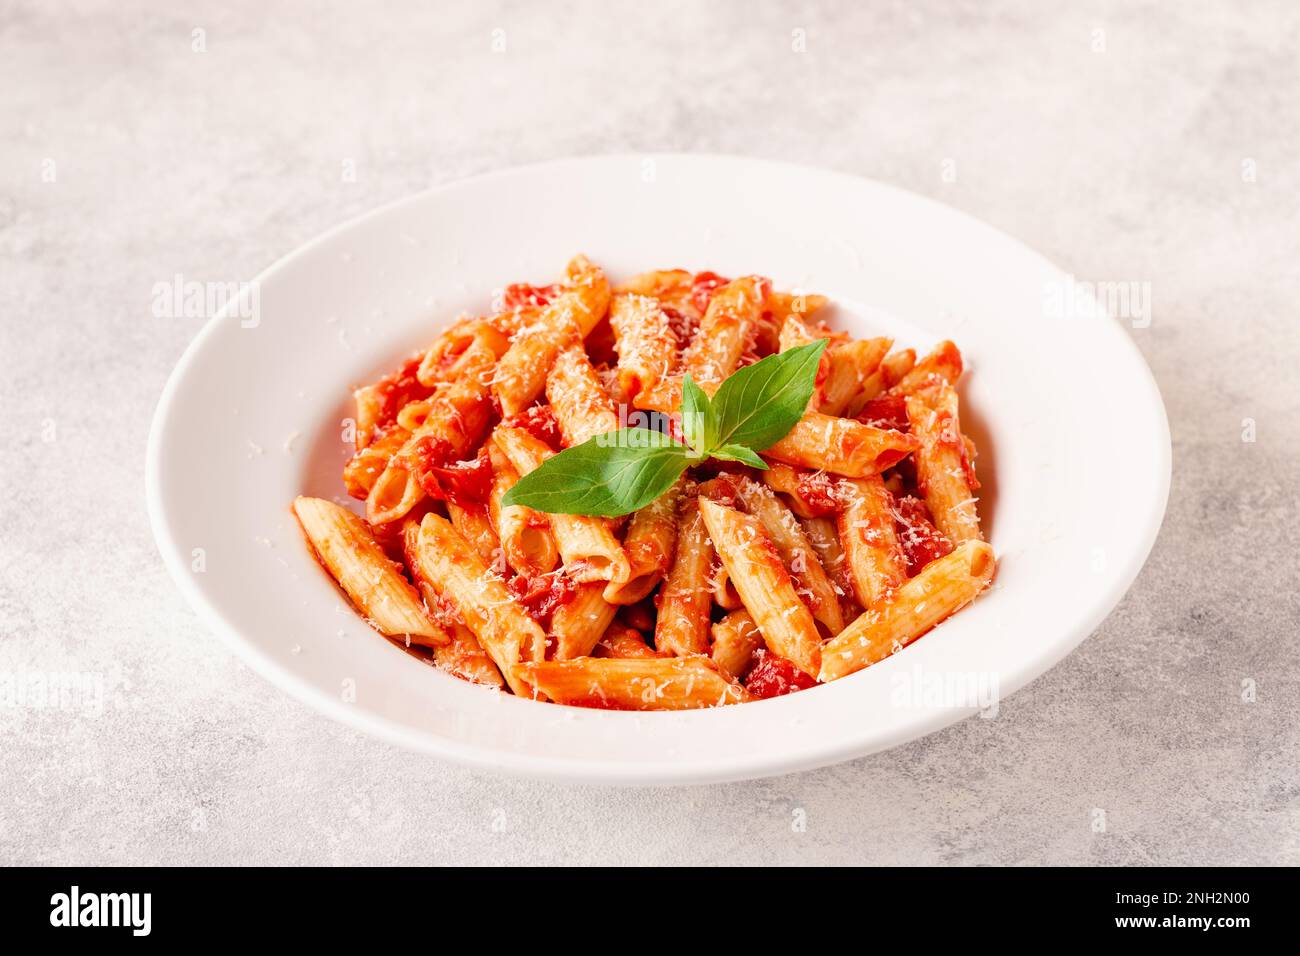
(1169, 156)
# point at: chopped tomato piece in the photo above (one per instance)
(921, 541)
(773, 676)
(886, 411)
(539, 421)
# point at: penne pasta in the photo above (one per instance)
(859, 534)
(851, 365)
(672, 287)
(875, 560)
(588, 547)
(623, 641)
(825, 538)
(945, 473)
(841, 445)
(942, 588)
(890, 373)
(725, 332)
(809, 494)
(682, 628)
(453, 423)
(582, 407)
(475, 526)
(464, 656)
(348, 551)
(942, 366)
(683, 683)
(578, 624)
(650, 544)
(525, 535)
(378, 404)
(451, 354)
(724, 592)
(646, 343)
(364, 468)
(521, 373)
(735, 639)
(812, 584)
(449, 565)
(764, 585)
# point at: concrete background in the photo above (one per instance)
(1126, 141)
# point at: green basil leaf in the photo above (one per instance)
(606, 476)
(759, 404)
(699, 420)
(739, 453)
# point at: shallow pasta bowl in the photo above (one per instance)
(257, 412)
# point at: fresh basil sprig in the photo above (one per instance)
(618, 472)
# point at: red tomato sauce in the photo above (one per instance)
(886, 411)
(540, 596)
(773, 676)
(921, 541)
(817, 490)
(522, 294)
(539, 421)
(400, 387)
(702, 288)
(681, 324)
(462, 483)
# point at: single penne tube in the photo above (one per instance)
(945, 474)
(352, 556)
(454, 422)
(850, 364)
(649, 544)
(796, 332)
(866, 525)
(942, 366)
(782, 305)
(681, 683)
(841, 445)
(943, 587)
(646, 344)
(464, 656)
(890, 373)
(623, 641)
(582, 407)
(764, 585)
(715, 351)
(450, 565)
(364, 468)
(825, 537)
(672, 287)
(521, 373)
(811, 580)
(735, 639)
(724, 592)
(525, 535)
(682, 627)
(587, 545)
(475, 526)
(578, 624)
(809, 494)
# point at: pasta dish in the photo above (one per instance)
(681, 491)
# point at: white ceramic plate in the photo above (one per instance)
(1074, 447)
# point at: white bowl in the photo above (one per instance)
(1074, 447)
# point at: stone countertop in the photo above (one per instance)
(1152, 143)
